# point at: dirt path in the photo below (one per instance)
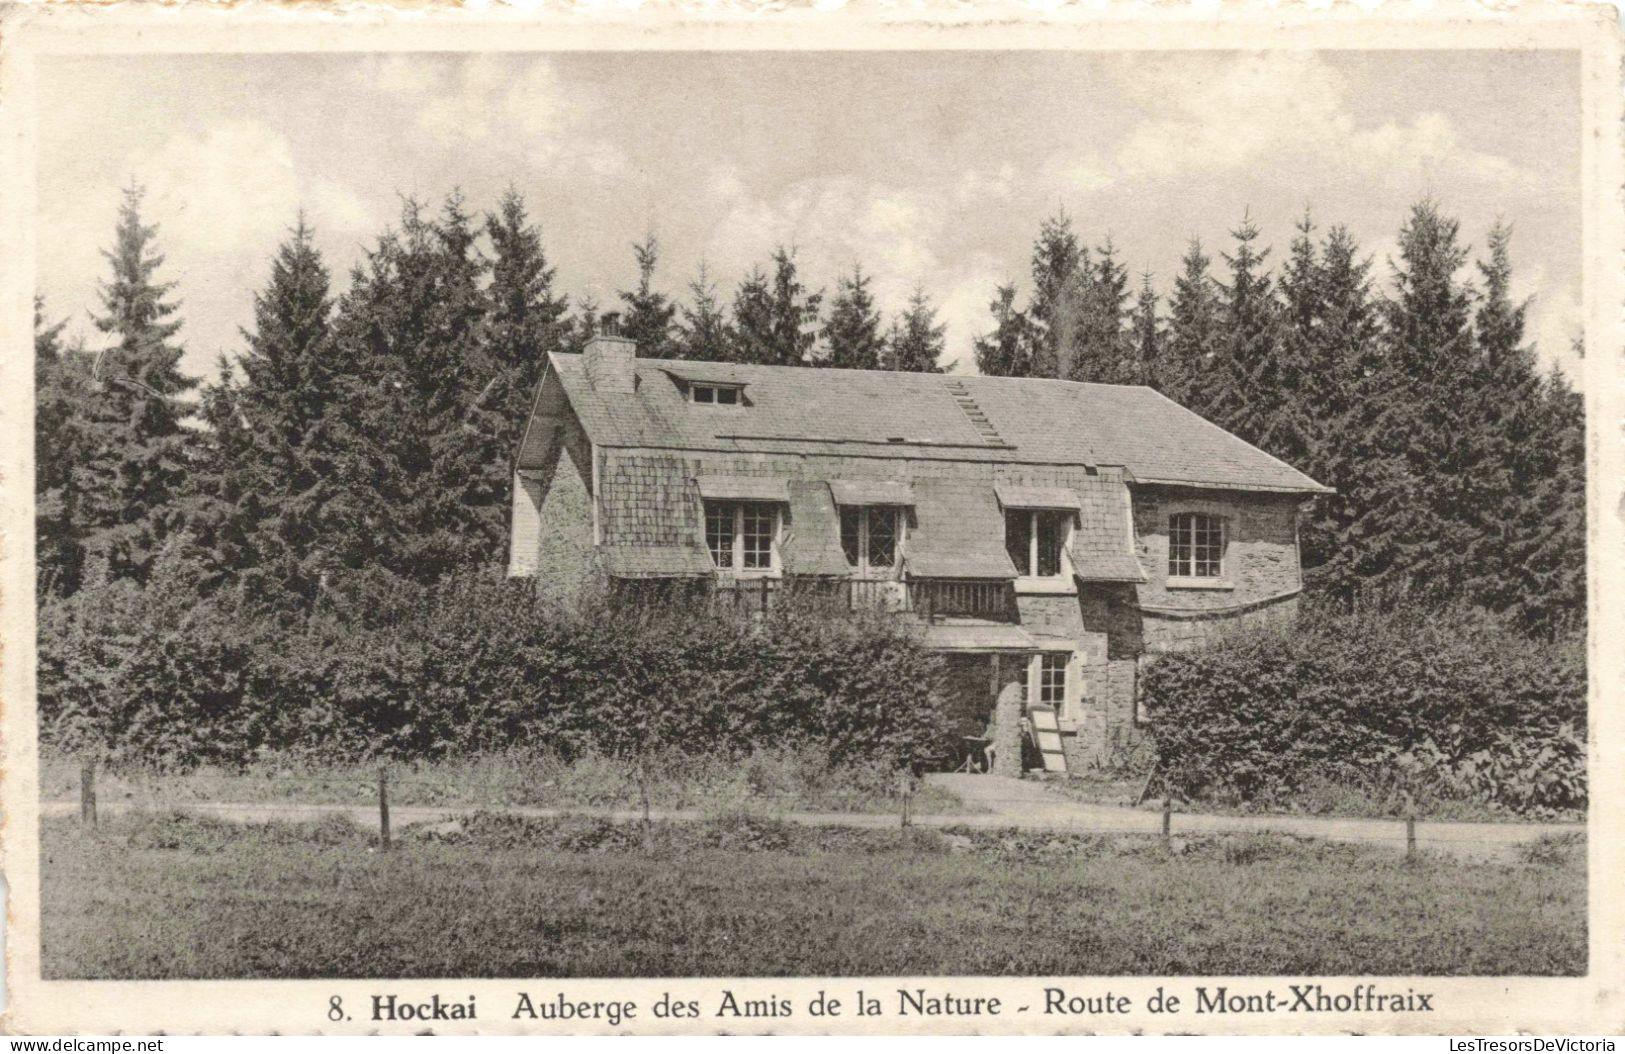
(1029, 804)
(1008, 803)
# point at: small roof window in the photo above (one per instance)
(712, 394)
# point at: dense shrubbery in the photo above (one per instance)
(155, 674)
(1436, 706)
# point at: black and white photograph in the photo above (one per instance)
(661, 533)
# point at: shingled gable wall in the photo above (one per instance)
(553, 519)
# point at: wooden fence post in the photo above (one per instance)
(1167, 824)
(87, 791)
(383, 807)
(908, 801)
(1410, 838)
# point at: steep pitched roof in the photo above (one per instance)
(788, 409)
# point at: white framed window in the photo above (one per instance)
(1035, 539)
(871, 536)
(714, 394)
(1049, 682)
(1196, 545)
(743, 536)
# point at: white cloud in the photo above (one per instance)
(1288, 112)
(229, 188)
(499, 103)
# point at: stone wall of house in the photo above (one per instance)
(1261, 556)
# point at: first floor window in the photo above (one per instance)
(1046, 680)
(741, 535)
(1034, 539)
(869, 536)
(1195, 546)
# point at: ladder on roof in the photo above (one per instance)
(977, 416)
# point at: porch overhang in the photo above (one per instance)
(1003, 640)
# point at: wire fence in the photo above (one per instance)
(896, 806)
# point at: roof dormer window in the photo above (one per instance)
(714, 394)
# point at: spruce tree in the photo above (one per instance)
(1008, 350)
(417, 500)
(526, 320)
(753, 320)
(1246, 381)
(1425, 409)
(1342, 345)
(1193, 333)
(917, 339)
(704, 334)
(1102, 349)
(1549, 558)
(132, 480)
(776, 320)
(1146, 340)
(647, 317)
(61, 393)
(1060, 273)
(1517, 450)
(852, 333)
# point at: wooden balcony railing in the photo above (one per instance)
(929, 598)
(962, 598)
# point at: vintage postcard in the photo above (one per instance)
(998, 519)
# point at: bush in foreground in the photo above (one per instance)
(1399, 707)
(154, 674)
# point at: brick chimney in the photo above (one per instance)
(608, 360)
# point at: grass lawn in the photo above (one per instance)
(163, 896)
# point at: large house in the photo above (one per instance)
(1046, 533)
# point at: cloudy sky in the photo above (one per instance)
(929, 168)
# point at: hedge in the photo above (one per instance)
(1455, 703)
(157, 675)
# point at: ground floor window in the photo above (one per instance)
(742, 535)
(1047, 681)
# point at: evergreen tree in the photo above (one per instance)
(1523, 444)
(1425, 408)
(1060, 272)
(776, 321)
(587, 321)
(1146, 340)
(852, 333)
(917, 339)
(1549, 558)
(526, 320)
(1007, 351)
(418, 502)
(131, 482)
(1102, 350)
(61, 392)
(1342, 347)
(704, 333)
(753, 320)
(1193, 333)
(1246, 381)
(647, 318)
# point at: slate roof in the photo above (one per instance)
(1101, 549)
(958, 532)
(789, 409)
